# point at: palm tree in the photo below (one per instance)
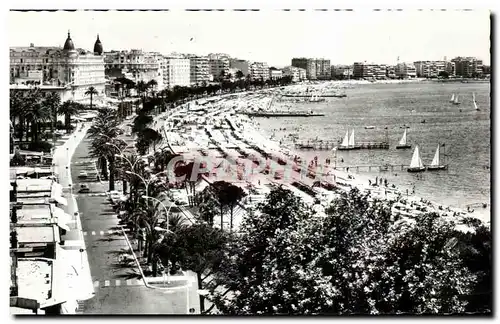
(17, 109)
(69, 108)
(35, 114)
(91, 91)
(105, 130)
(52, 102)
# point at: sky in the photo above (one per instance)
(270, 35)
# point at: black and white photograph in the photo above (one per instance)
(250, 162)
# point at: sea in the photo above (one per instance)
(425, 110)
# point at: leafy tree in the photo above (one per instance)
(198, 248)
(354, 260)
(141, 122)
(443, 74)
(147, 137)
(239, 74)
(91, 91)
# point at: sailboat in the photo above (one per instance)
(435, 162)
(452, 98)
(474, 101)
(351, 139)
(455, 101)
(345, 143)
(348, 142)
(416, 163)
(402, 143)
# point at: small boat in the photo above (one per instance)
(474, 101)
(435, 162)
(423, 121)
(384, 167)
(416, 163)
(403, 143)
(455, 101)
(348, 142)
(452, 99)
(369, 127)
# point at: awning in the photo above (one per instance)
(60, 200)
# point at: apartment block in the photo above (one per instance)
(218, 64)
(468, 66)
(405, 70)
(275, 74)
(199, 70)
(323, 69)
(259, 71)
(135, 65)
(176, 71)
(297, 74)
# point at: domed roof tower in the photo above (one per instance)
(68, 45)
(98, 46)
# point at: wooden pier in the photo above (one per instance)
(369, 168)
(319, 145)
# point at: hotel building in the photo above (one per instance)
(135, 65)
(68, 71)
(431, 69)
(176, 71)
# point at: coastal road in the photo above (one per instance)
(118, 286)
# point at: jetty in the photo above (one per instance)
(333, 95)
(281, 114)
(322, 145)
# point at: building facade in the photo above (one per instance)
(67, 71)
(199, 70)
(323, 69)
(432, 69)
(275, 74)
(297, 74)
(341, 71)
(218, 64)
(468, 67)
(259, 71)
(135, 65)
(307, 64)
(176, 71)
(405, 71)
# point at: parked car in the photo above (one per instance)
(83, 175)
(84, 189)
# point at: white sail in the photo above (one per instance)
(474, 101)
(456, 99)
(473, 96)
(351, 139)
(475, 106)
(345, 142)
(452, 98)
(403, 139)
(416, 162)
(435, 160)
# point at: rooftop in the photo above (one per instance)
(34, 278)
(39, 234)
